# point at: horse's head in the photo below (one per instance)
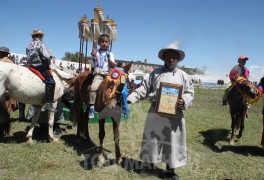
(66, 80)
(246, 87)
(116, 81)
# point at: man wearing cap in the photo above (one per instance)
(238, 71)
(39, 58)
(8, 104)
(164, 138)
(4, 52)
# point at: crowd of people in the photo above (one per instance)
(164, 139)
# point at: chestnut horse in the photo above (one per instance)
(237, 98)
(107, 104)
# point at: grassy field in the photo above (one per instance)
(209, 154)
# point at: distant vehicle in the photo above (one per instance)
(138, 76)
(220, 82)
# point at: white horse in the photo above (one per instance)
(26, 87)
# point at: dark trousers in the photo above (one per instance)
(21, 108)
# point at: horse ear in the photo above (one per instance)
(111, 64)
(119, 64)
(127, 67)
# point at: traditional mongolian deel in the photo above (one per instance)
(164, 138)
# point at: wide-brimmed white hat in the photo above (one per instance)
(180, 52)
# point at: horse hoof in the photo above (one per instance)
(232, 142)
(239, 136)
(30, 141)
(119, 160)
(101, 159)
(54, 140)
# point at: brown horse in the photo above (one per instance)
(108, 105)
(236, 99)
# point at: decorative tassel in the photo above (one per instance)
(113, 27)
(87, 33)
(108, 29)
(95, 29)
(98, 14)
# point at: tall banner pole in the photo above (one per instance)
(85, 58)
(82, 24)
(114, 36)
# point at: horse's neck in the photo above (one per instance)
(234, 91)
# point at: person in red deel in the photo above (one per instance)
(238, 71)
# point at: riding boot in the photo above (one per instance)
(49, 97)
(49, 92)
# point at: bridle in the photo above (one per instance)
(115, 83)
(242, 82)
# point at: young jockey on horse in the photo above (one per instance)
(39, 59)
(238, 70)
(101, 68)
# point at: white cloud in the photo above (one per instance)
(254, 67)
(256, 72)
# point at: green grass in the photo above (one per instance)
(209, 154)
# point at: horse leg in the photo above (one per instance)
(51, 123)
(232, 140)
(82, 123)
(242, 125)
(85, 125)
(79, 116)
(116, 140)
(101, 157)
(37, 110)
(4, 123)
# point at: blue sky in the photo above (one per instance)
(213, 33)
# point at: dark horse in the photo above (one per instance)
(236, 99)
(108, 104)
